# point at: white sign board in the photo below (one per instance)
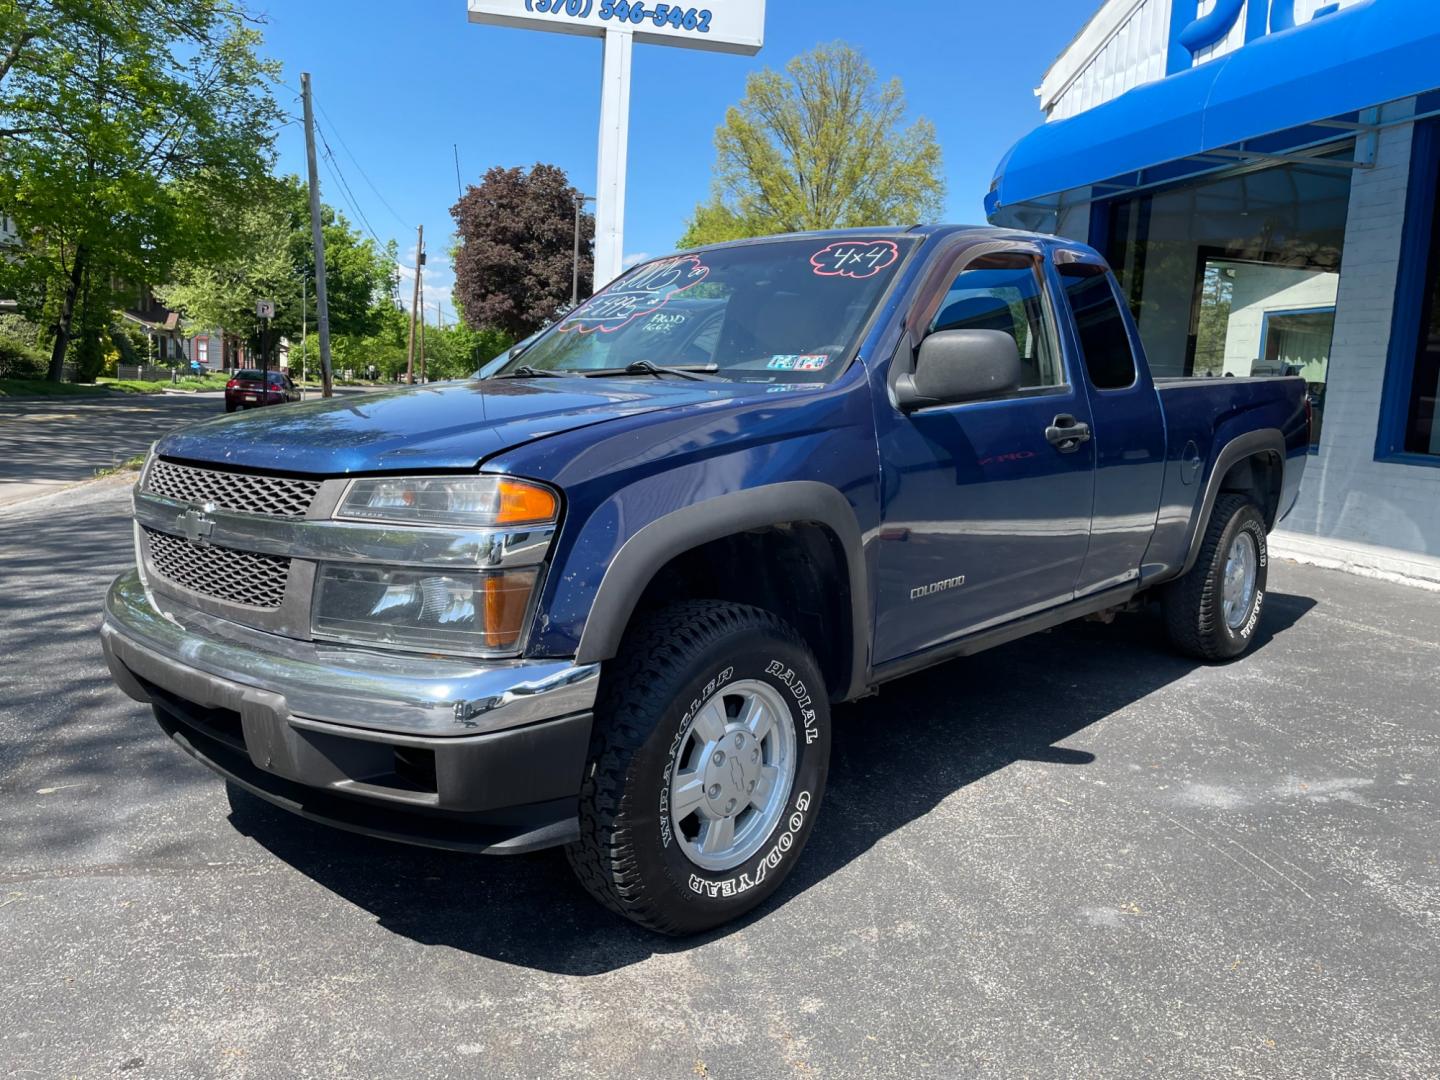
(733, 26)
(265, 309)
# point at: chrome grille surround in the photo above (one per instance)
(236, 577)
(247, 493)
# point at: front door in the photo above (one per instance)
(986, 512)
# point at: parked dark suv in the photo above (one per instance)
(251, 386)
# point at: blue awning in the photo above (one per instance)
(1266, 96)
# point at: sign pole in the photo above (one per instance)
(726, 26)
(614, 143)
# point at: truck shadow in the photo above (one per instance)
(896, 757)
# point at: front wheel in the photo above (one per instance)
(707, 766)
(1211, 613)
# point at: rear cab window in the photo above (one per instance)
(1100, 325)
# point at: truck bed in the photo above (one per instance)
(1204, 416)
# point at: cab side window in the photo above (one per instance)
(1006, 293)
(1109, 360)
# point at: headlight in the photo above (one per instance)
(467, 501)
(449, 612)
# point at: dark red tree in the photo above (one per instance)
(515, 258)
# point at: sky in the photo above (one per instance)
(401, 86)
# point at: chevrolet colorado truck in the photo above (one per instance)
(605, 593)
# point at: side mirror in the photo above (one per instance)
(961, 365)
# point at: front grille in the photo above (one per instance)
(237, 577)
(278, 496)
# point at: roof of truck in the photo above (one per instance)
(925, 231)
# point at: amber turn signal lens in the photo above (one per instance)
(507, 597)
(525, 504)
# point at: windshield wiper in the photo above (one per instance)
(697, 372)
(525, 371)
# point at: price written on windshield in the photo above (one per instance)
(675, 16)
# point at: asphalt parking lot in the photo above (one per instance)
(1077, 855)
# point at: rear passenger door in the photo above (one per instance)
(1127, 420)
(985, 518)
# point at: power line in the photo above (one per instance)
(334, 165)
(333, 168)
(363, 174)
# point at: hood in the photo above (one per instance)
(441, 426)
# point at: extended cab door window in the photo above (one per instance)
(1005, 292)
(1104, 338)
(1129, 433)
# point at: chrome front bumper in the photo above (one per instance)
(424, 750)
(408, 694)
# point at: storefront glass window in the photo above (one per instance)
(1238, 275)
(1422, 432)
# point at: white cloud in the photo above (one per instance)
(638, 257)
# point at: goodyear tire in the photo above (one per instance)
(707, 767)
(1213, 611)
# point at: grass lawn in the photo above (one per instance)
(135, 386)
(43, 388)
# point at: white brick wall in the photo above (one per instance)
(1348, 497)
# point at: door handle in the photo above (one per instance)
(1066, 433)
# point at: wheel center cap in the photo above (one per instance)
(731, 772)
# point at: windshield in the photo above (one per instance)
(783, 311)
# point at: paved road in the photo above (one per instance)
(47, 444)
(1073, 856)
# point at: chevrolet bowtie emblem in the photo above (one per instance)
(196, 527)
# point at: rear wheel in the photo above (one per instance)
(229, 406)
(707, 766)
(1212, 612)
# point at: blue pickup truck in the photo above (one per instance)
(605, 593)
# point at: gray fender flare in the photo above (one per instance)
(642, 556)
(1251, 444)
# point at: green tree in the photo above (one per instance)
(220, 293)
(123, 123)
(820, 146)
(274, 259)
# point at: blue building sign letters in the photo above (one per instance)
(1206, 30)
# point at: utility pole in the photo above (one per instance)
(304, 322)
(415, 304)
(580, 201)
(317, 234)
(422, 338)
